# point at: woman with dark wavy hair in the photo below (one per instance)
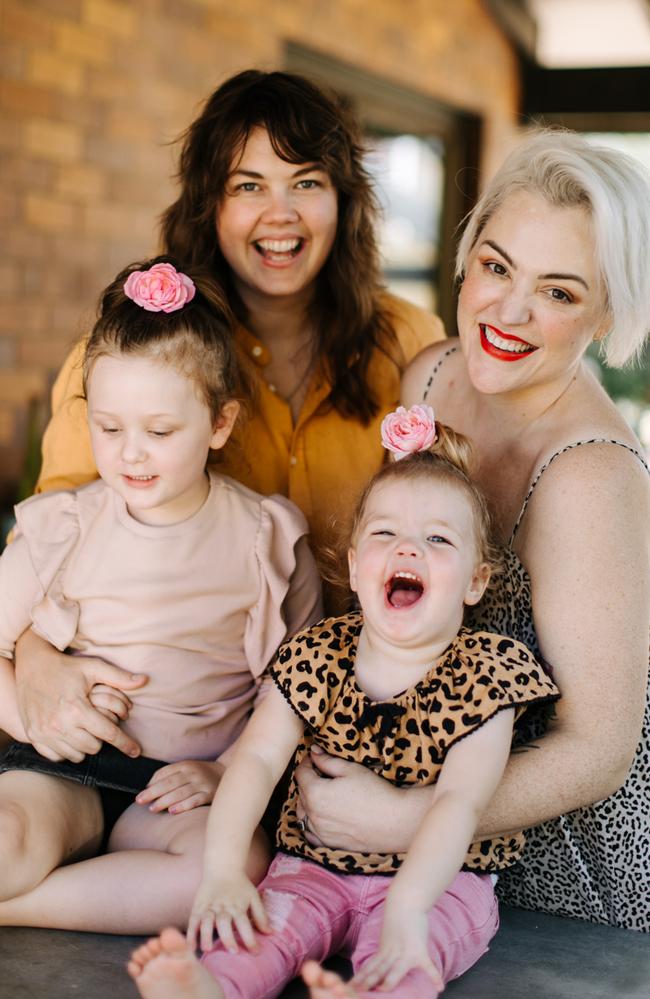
(275, 202)
(345, 314)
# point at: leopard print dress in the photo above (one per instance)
(593, 863)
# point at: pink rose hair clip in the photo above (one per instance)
(408, 430)
(160, 289)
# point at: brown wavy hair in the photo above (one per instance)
(304, 125)
(196, 340)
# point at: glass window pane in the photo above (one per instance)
(408, 171)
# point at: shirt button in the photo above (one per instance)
(256, 351)
(293, 460)
(272, 388)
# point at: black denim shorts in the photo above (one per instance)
(117, 777)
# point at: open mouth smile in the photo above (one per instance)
(403, 589)
(279, 251)
(504, 346)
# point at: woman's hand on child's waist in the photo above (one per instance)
(233, 907)
(357, 809)
(179, 787)
(53, 691)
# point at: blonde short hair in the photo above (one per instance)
(569, 172)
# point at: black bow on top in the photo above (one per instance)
(386, 714)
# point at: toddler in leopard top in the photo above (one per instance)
(403, 688)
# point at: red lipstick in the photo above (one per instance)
(504, 355)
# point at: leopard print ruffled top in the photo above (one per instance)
(405, 739)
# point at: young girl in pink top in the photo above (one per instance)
(171, 571)
(403, 688)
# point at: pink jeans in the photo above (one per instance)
(316, 913)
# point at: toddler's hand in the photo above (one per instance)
(403, 947)
(227, 904)
(112, 702)
(178, 787)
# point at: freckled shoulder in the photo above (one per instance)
(596, 475)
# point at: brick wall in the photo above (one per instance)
(93, 91)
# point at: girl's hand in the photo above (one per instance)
(113, 703)
(227, 904)
(403, 948)
(179, 787)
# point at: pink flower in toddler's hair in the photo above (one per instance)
(408, 430)
(160, 289)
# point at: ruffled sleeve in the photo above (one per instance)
(492, 672)
(311, 669)
(67, 455)
(290, 590)
(48, 527)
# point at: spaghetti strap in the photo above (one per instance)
(569, 447)
(449, 350)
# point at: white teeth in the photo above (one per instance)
(406, 575)
(142, 478)
(511, 346)
(279, 245)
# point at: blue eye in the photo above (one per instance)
(308, 185)
(437, 539)
(248, 186)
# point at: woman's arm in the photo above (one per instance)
(585, 545)
(469, 777)
(225, 894)
(48, 690)
(10, 720)
(584, 541)
(19, 591)
(67, 455)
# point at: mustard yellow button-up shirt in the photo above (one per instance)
(321, 462)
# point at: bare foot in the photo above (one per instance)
(166, 968)
(325, 984)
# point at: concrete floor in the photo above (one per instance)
(533, 957)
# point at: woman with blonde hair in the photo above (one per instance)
(553, 258)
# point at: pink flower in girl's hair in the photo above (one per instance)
(408, 430)
(160, 289)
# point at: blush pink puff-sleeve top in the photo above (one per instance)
(200, 607)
